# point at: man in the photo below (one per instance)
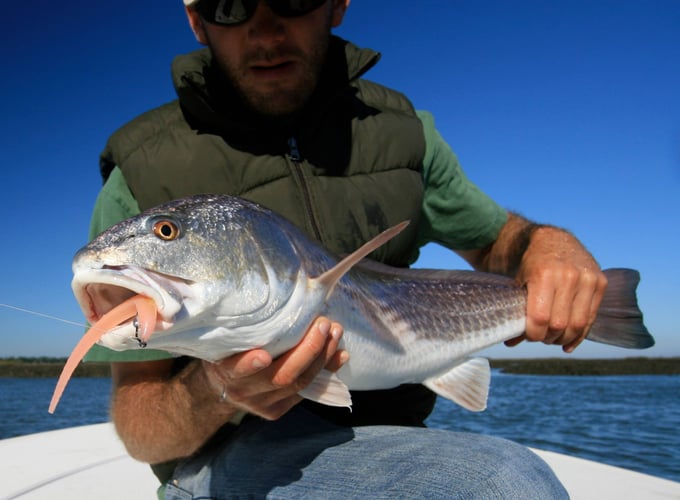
(275, 110)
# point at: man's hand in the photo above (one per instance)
(184, 408)
(253, 382)
(564, 283)
(564, 289)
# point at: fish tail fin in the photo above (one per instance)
(331, 277)
(619, 320)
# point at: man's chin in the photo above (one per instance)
(276, 104)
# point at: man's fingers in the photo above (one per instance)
(333, 358)
(540, 296)
(293, 364)
(245, 364)
(272, 407)
(515, 341)
(269, 388)
(300, 372)
(580, 320)
(584, 310)
(560, 324)
(338, 359)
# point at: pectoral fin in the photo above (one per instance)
(467, 384)
(328, 389)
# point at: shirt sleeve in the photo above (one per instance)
(115, 203)
(456, 213)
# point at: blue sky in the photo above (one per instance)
(565, 111)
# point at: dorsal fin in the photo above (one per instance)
(331, 277)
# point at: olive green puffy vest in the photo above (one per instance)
(348, 169)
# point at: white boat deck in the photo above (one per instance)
(90, 462)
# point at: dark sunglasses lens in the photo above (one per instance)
(292, 8)
(229, 12)
(226, 12)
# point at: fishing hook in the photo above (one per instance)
(135, 323)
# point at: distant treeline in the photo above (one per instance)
(566, 366)
(25, 367)
(46, 367)
(33, 360)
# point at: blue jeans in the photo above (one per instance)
(304, 456)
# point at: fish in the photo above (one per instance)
(210, 276)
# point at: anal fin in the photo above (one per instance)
(466, 384)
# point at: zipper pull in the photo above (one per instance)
(293, 150)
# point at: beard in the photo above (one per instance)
(275, 97)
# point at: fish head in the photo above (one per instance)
(202, 260)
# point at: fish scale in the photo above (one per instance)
(472, 315)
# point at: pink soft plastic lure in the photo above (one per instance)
(142, 307)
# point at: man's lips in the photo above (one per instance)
(280, 68)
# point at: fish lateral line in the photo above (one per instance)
(330, 278)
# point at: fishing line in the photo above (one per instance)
(112, 332)
(36, 313)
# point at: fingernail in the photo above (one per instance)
(344, 357)
(336, 333)
(323, 326)
(258, 364)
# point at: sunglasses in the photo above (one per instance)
(232, 12)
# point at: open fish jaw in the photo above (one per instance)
(100, 289)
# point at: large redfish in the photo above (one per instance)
(211, 276)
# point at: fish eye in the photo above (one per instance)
(166, 230)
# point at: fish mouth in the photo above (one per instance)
(98, 290)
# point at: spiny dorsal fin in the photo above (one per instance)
(331, 277)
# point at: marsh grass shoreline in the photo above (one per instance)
(605, 367)
(45, 367)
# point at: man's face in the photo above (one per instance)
(273, 62)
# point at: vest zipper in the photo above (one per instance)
(296, 158)
(293, 150)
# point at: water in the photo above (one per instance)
(24, 402)
(629, 421)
